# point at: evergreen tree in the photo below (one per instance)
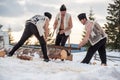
(113, 25)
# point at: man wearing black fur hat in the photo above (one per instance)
(38, 26)
(97, 38)
(62, 25)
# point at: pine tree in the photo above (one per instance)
(113, 25)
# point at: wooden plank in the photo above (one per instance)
(63, 47)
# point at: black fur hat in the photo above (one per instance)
(63, 8)
(82, 16)
(47, 14)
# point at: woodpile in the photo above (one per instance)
(2, 53)
(54, 54)
(28, 54)
(25, 54)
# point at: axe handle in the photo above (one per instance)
(62, 47)
(53, 33)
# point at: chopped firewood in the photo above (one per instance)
(2, 53)
(24, 57)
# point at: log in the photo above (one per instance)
(60, 54)
(24, 57)
(65, 56)
(2, 53)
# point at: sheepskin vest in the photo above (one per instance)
(66, 20)
(97, 33)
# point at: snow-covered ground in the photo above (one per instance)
(12, 68)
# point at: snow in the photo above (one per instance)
(12, 68)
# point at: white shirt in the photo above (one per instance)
(39, 22)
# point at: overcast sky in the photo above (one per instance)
(14, 13)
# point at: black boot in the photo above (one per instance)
(46, 60)
(9, 54)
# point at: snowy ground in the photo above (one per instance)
(12, 68)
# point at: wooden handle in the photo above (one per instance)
(63, 47)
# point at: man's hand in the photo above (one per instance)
(62, 31)
(79, 46)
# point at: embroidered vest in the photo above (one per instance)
(97, 33)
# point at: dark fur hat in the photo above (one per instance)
(47, 14)
(82, 16)
(63, 8)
